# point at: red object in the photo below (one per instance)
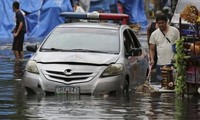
(192, 76)
(121, 10)
(113, 16)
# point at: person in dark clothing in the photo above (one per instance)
(151, 28)
(166, 11)
(18, 32)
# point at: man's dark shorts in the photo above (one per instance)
(18, 42)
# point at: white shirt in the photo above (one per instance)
(85, 4)
(79, 10)
(164, 48)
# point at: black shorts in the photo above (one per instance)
(18, 42)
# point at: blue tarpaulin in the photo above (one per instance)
(135, 9)
(43, 15)
(101, 5)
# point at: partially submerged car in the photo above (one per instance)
(87, 58)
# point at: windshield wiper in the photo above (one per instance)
(86, 50)
(75, 50)
(52, 49)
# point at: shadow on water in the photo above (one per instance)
(135, 106)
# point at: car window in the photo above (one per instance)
(95, 39)
(134, 39)
(128, 41)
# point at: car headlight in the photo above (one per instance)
(112, 70)
(32, 67)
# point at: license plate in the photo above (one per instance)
(67, 90)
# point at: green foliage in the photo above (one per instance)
(180, 65)
(181, 109)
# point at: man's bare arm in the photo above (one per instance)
(151, 53)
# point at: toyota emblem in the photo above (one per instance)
(68, 72)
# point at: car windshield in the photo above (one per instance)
(182, 3)
(83, 40)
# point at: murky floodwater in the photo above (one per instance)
(135, 106)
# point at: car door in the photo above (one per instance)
(142, 59)
(132, 61)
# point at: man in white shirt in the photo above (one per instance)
(163, 38)
(78, 9)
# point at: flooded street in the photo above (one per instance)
(14, 104)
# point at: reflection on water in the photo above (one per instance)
(11, 96)
(15, 105)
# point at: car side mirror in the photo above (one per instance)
(31, 48)
(136, 51)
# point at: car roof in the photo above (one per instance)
(92, 25)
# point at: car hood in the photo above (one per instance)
(68, 57)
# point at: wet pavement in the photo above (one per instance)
(15, 105)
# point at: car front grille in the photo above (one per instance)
(60, 76)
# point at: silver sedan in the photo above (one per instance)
(87, 58)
